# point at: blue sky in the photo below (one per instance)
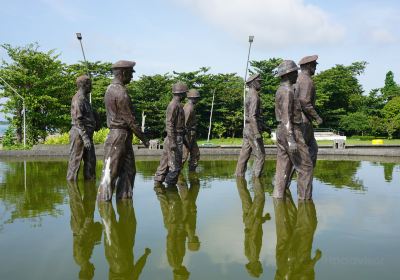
(183, 35)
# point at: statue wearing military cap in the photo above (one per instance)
(306, 94)
(292, 150)
(119, 162)
(81, 134)
(252, 138)
(191, 150)
(171, 159)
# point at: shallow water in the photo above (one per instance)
(211, 227)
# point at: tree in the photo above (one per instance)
(391, 113)
(355, 123)
(45, 84)
(391, 89)
(339, 92)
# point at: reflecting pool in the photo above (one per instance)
(211, 226)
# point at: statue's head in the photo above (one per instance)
(309, 63)
(180, 89)
(254, 81)
(84, 82)
(288, 71)
(123, 70)
(193, 95)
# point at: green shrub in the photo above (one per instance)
(267, 138)
(60, 139)
(9, 137)
(99, 137)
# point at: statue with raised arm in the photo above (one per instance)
(292, 149)
(119, 160)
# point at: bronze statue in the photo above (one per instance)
(305, 90)
(295, 230)
(192, 150)
(171, 159)
(119, 240)
(119, 160)
(252, 138)
(188, 196)
(86, 232)
(253, 219)
(292, 149)
(81, 133)
(172, 211)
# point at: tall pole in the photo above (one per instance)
(23, 106)
(212, 108)
(79, 37)
(251, 39)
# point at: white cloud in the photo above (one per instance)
(382, 36)
(274, 23)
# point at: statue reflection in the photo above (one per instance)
(86, 232)
(295, 228)
(179, 210)
(253, 219)
(119, 240)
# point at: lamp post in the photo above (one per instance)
(79, 37)
(23, 106)
(251, 39)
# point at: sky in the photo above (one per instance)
(183, 35)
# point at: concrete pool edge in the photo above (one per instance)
(63, 151)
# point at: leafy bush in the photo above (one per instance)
(267, 138)
(60, 139)
(9, 137)
(99, 137)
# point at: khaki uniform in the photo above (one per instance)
(192, 151)
(119, 160)
(250, 142)
(305, 90)
(83, 126)
(288, 114)
(171, 159)
(119, 240)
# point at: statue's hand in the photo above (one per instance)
(292, 147)
(319, 120)
(87, 143)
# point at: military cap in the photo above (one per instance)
(193, 93)
(286, 67)
(123, 64)
(308, 59)
(253, 77)
(82, 79)
(179, 87)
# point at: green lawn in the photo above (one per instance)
(349, 141)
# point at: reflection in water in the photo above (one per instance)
(388, 168)
(86, 232)
(253, 219)
(179, 212)
(119, 240)
(339, 174)
(295, 230)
